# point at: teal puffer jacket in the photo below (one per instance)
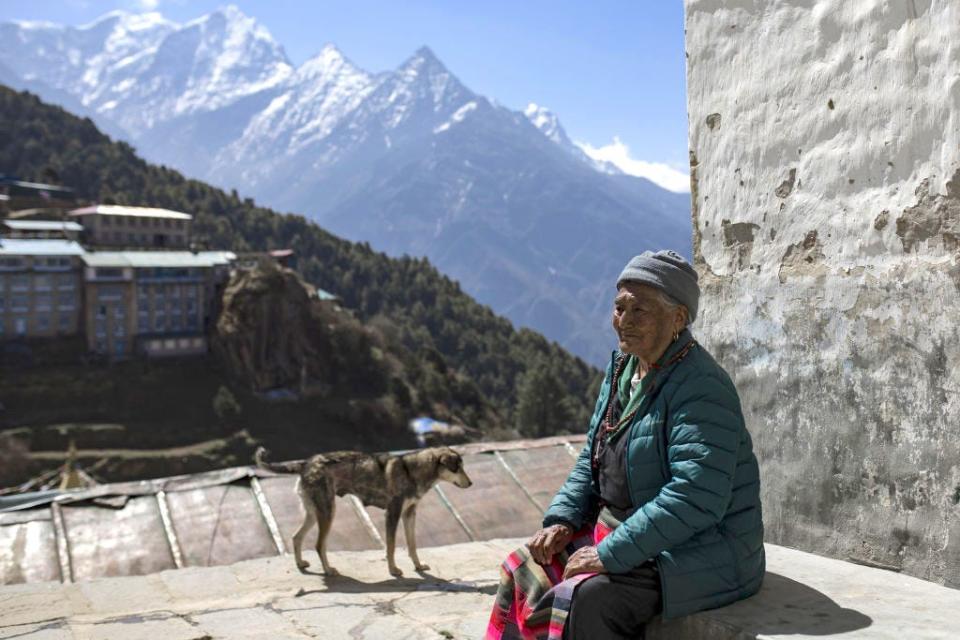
(694, 480)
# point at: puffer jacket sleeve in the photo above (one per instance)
(575, 500)
(703, 433)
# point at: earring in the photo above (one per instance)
(676, 334)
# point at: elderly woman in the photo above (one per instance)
(661, 512)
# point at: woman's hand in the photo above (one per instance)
(548, 541)
(584, 560)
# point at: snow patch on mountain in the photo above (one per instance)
(457, 116)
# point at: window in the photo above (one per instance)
(19, 283)
(11, 263)
(20, 326)
(52, 263)
(109, 294)
(19, 302)
(193, 322)
(66, 283)
(66, 302)
(143, 322)
(175, 322)
(43, 302)
(65, 322)
(119, 330)
(42, 283)
(109, 273)
(106, 221)
(119, 347)
(159, 323)
(42, 322)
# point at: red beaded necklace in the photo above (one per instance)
(609, 426)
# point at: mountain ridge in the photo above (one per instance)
(410, 160)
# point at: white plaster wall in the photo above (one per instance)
(833, 297)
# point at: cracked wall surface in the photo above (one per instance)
(827, 236)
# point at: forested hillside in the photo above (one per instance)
(405, 299)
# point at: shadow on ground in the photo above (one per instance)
(782, 607)
(426, 582)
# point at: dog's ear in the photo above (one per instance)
(450, 459)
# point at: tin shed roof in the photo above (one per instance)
(221, 517)
(147, 259)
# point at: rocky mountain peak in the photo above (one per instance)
(547, 122)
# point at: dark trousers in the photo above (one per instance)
(614, 606)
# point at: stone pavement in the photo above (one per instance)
(804, 596)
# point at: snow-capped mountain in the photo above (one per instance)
(549, 125)
(409, 160)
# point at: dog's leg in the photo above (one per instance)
(393, 519)
(309, 519)
(410, 533)
(326, 507)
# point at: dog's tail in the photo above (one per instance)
(294, 466)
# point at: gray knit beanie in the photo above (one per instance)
(667, 271)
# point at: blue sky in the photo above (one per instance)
(612, 70)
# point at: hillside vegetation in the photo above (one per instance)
(406, 300)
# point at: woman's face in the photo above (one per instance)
(644, 326)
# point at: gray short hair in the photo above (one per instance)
(672, 304)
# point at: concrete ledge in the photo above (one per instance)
(804, 596)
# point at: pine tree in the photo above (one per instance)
(543, 406)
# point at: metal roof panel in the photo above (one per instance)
(119, 210)
(39, 247)
(42, 225)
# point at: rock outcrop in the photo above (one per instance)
(275, 334)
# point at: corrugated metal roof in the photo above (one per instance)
(221, 517)
(39, 247)
(118, 210)
(144, 259)
(42, 225)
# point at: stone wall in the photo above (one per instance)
(825, 170)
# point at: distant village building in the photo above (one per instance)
(157, 303)
(20, 194)
(122, 277)
(40, 229)
(121, 226)
(39, 287)
(250, 260)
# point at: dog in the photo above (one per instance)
(395, 483)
